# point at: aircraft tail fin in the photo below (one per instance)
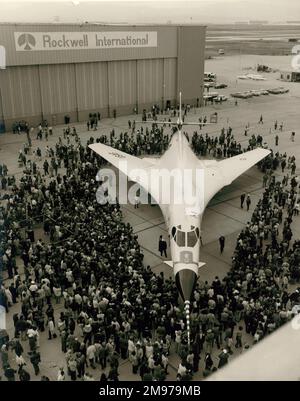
(180, 127)
(180, 110)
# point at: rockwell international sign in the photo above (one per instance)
(39, 41)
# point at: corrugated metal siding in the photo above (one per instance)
(91, 85)
(170, 78)
(122, 83)
(166, 45)
(20, 91)
(58, 88)
(191, 58)
(150, 80)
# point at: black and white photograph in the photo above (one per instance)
(149, 194)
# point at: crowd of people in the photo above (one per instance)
(114, 307)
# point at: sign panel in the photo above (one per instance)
(47, 41)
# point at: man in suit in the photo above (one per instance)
(162, 246)
(243, 196)
(222, 243)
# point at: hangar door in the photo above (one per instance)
(58, 89)
(92, 86)
(122, 90)
(150, 82)
(20, 92)
(170, 80)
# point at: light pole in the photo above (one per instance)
(163, 97)
(2, 67)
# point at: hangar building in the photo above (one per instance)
(54, 70)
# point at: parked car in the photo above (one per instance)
(235, 94)
(256, 77)
(220, 86)
(210, 96)
(255, 92)
(220, 98)
(243, 95)
(207, 79)
(212, 75)
(209, 85)
(277, 91)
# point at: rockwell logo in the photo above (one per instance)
(47, 41)
(26, 40)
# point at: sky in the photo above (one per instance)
(148, 11)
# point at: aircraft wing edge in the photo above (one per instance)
(235, 166)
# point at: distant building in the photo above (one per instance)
(258, 22)
(290, 76)
(54, 70)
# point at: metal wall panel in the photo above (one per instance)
(191, 49)
(150, 81)
(166, 44)
(20, 92)
(122, 83)
(91, 85)
(170, 79)
(58, 88)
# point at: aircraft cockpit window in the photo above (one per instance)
(180, 238)
(191, 238)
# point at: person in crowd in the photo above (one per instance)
(248, 202)
(162, 246)
(222, 243)
(223, 358)
(243, 196)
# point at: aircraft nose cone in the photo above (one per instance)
(185, 281)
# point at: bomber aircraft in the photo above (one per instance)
(184, 199)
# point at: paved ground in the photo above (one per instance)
(223, 216)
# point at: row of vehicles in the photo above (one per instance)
(210, 82)
(215, 97)
(210, 77)
(252, 93)
(209, 85)
(278, 91)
